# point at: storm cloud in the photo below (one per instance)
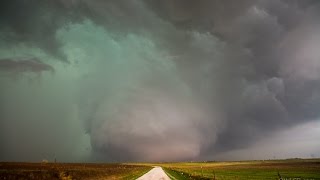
(156, 80)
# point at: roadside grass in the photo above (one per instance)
(302, 169)
(307, 169)
(178, 175)
(68, 171)
(134, 174)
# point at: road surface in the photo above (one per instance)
(156, 173)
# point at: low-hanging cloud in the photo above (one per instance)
(150, 80)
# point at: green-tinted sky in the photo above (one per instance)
(159, 80)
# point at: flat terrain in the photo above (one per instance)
(156, 173)
(301, 169)
(66, 171)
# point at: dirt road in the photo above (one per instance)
(156, 173)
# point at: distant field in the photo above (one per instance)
(11, 171)
(243, 170)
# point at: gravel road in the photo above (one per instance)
(156, 173)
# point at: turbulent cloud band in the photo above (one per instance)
(166, 80)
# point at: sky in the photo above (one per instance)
(149, 80)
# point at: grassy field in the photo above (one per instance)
(67, 171)
(243, 170)
(300, 169)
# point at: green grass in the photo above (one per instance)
(137, 173)
(307, 169)
(178, 175)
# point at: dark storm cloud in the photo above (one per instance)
(201, 76)
(263, 100)
(34, 22)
